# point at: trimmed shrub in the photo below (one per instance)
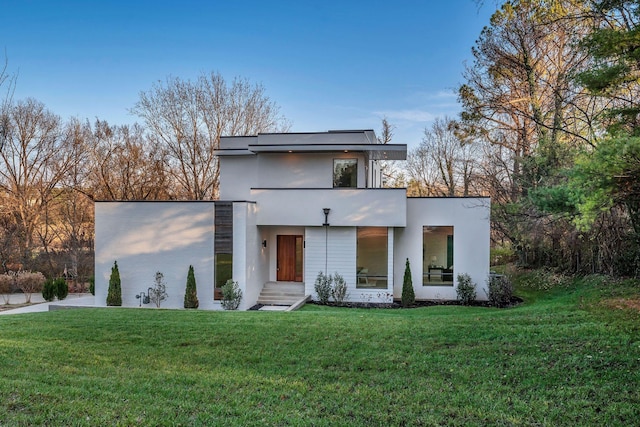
(92, 285)
(191, 293)
(6, 284)
(323, 287)
(231, 295)
(466, 289)
(500, 290)
(114, 296)
(339, 291)
(29, 283)
(158, 292)
(61, 288)
(408, 294)
(49, 290)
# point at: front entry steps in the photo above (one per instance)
(282, 294)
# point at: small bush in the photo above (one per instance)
(92, 285)
(30, 283)
(158, 292)
(49, 290)
(6, 284)
(408, 294)
(339, 291)
(500, 290)
(114, 296)
(323, 287)
(231, 295)
(61, 288)
(191, 293)
(466, 289)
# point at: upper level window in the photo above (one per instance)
(345, 173)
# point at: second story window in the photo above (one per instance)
(345, 173)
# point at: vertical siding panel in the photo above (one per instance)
(340, 253)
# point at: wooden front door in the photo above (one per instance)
(289, 268)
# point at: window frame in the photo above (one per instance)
(433, 255)
(353, 182)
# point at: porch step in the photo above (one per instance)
(281, 293)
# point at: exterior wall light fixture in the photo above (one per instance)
(326, 216)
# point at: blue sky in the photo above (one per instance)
(328, 64)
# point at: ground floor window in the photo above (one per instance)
(371, 258)
(223, 272)
(437, 254)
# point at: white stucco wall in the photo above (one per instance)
(471, 229)
(238, 174)
(382, 207)
(250, 259)
(146, 237)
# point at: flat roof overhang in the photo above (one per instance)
(373, 151)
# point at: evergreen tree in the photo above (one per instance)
(48, 290)
(61, 288)
(114, 297)
(191, 294)
(408, 295)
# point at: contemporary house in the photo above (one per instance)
(293, 205)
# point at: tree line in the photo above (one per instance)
(51, 171)
(549, 130)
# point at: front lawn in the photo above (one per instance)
(568, 356)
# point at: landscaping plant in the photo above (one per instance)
(323, 287)
(114, 296)
(158, 292)
(30, 282)
(191, 293)
(92, 285)
(61, 288)
(339, 290)
(231, 295)
(6, 283)
(466, 290)
(49, 290)
(408, 294)
(500, 290)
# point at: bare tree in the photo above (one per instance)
(188, 118)
(442, 165)
(7, 84)
(125, 164)
(32, 163)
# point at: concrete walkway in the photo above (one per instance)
(40, 305)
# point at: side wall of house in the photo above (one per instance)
(469, 218)
(146, 237)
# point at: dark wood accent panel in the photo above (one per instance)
(223, 236)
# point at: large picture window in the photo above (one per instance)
(345, 173)
(437, 251)
(371, 258)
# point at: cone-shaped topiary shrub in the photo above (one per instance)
(408, 295)
(49, 290)
(114, 297)
(191, 294)
(61, 288)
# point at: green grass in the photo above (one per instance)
(562, 358)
